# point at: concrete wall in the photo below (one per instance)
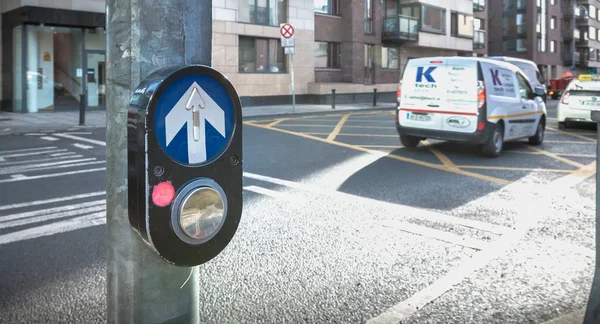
(225, 52)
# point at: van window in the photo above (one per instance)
(524, 88)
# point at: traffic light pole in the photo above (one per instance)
(142, 37)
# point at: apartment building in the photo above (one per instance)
(53, 53)
(530, 29)
(581, 35)
(480, 26)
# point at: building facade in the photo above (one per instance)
(581, 35)
(53, 53)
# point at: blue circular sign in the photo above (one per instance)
(194, 119)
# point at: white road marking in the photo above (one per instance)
(19, 168)
(18, 176)
(62, 154)
(480, 259)
(33, 220)
(438, 235)
(270, 193)
(52, 175)
(40, 212)
(4, 164)
(73, 224)
(30, 153)
(53, 200)
(59, 166)
(81, 139)
(28, 150)
(35, 134)
(78, 133)
(6, 129)
(49, 138)
(83, 146)
(410, 212)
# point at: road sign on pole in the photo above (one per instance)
(287, 41)
(185, 156)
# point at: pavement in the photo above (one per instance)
(341, 224)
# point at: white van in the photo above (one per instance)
(468, 99)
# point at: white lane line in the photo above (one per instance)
(18, 168)
(28, 150)
(408, 211)
(6, 129)
(81, 139)
(73, 224)
(58, 167)
(35, 134)
(53, 200)
(413, 304)
(52, 175)
(83, 146)
(62, 154)
(78, 133)
(38, 219)
(3, 164)
(30, 153)
(49, 138)
(438, 235)
(18, 176)
(270, 193)
(39, 212)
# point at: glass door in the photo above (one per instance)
(95, 79)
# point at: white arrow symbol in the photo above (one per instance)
(194, 109)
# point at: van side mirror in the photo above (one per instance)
(539, 91)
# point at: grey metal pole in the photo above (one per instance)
(573, 46)
(592, 313)
(143, 36)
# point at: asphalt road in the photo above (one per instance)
(340, 225)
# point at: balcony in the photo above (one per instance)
(479, 39)
(568, 58)
(478, 5)
(400, 28)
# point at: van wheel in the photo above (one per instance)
(538, 138)
(493, 146)
(409, 141)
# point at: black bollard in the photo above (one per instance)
(81, 109)
(374, 97)
(332, 98)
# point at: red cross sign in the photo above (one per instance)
(287, 31)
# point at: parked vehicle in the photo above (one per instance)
(468, 99)
(581, 96)
(530, 69)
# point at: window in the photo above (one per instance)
(369, 66)
(592, 33)
(329, 7)
(592, 12)
(552, 2)
(433, 19)
(327, 55)
(592, 54)
(522, 45)
(261, 55)
(262, 12)
(524, 87)
(389, 58)
(553, 46)
(478, 24)
(461, 25)
(368, 16)
(553, 23)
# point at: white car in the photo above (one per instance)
(581, 96)
(469, 99)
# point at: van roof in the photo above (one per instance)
(513, 59)
(502, 64)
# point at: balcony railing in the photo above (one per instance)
(479, 39)
(479, 5)
(400, 28)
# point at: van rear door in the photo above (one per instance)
(422, 94)
(440, 94)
